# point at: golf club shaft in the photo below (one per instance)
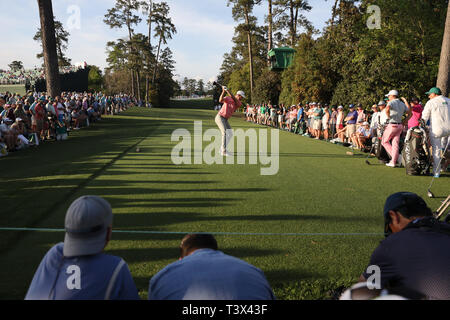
(443, 208)
(440, 162)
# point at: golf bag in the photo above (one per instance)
(379, 150)
(416, 154)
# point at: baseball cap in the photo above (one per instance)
(340, 107)
(381, 103)
(87, 221)
(392, 93)
(434, 90)
(241, 93)
(408, 204)
(366, 124)
(352, 106)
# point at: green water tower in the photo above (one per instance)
(281, 58)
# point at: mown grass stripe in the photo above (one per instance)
(214, 233)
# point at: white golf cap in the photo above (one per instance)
(340, 107)
(241, 93)
(87, 221)
(392, 93)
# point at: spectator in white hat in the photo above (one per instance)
(78, 269)
(395, 110)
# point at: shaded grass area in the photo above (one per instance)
(319, 189)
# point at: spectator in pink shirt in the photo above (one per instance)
(417, 110)
(230, 105)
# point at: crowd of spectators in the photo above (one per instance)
(357, 127)
(31, 75)
(29, 120)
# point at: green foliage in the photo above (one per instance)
(15, 66)
(95, 79)
(62, 40)
(134, 60)
(404, 54)
(348, 62)
(268, 87)
(309, 78)
(239, 80)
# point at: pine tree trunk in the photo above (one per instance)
(157, 60)
(270, 20)
(443, 81)
(291, 24)
(147, 89)
(132, 83)
(138, 85)
(250, 52)
(49, 47)
(147, 78)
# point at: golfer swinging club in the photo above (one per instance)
(230, 105)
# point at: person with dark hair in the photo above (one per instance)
(416, 110)
(205, 273)
(415, 253)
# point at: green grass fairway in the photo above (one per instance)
(204, 103)
(319, 189)
(13, 88)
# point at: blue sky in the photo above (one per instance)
(205, 29)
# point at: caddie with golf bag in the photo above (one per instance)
(416, 151)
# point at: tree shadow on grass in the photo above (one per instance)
(137, 255)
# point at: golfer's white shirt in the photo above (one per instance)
(438, 111)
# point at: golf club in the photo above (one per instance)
(215, 83)
(429, 193)
(370, 153)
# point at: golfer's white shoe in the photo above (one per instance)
(224, 153)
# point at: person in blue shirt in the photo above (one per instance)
(205, 273)
(351, 120)
(78, 269)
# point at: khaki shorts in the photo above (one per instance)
(317, 124)
(351, 129)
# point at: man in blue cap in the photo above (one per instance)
(415, 253)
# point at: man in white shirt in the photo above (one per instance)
(437, 110)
